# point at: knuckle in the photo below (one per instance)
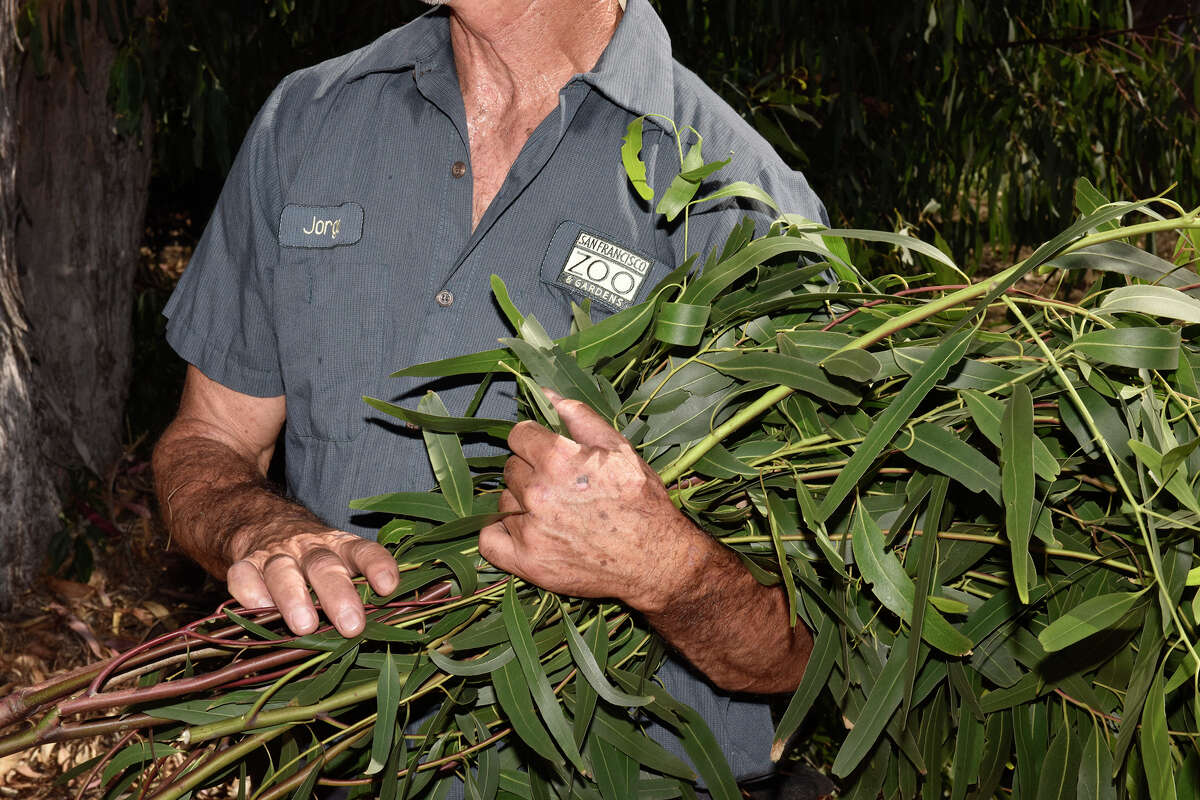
(321, 560)
(276, 561)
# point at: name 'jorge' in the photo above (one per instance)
(321, 227)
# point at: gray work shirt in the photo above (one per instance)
(341, 249)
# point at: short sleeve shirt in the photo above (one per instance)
(341, 249)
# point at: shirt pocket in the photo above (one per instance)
(584, 263)
(331, 326)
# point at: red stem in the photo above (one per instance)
(163, 691)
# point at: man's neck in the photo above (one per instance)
(513, 55)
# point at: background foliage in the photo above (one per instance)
(974, 116)
(989, 110)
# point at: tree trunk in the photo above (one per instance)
(82, 191)
(27, 505)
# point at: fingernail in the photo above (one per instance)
(348, 622)
(304, 621)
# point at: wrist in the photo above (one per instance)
(679, 572)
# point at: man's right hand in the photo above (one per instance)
(210, 471)
(281, 568)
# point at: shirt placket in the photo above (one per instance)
(438, 83)
(471, 267)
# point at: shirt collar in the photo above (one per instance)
(635, 71)
(403, 48)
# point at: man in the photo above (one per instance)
(371, 200)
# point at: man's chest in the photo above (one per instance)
(379, 267)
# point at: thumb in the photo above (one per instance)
(497, 547)
(588, 427)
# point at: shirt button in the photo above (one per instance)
(445, 298)
(458, 169)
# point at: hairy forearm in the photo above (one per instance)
(728, 625)
(216, 502)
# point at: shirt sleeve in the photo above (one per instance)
(220, 316)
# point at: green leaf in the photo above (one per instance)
(606, 338)
(939, 449)
(632, 742)
(539, 687)
(497, 428)
(1176, 484)
(720, 463)
(446, 456)
(616, 773)
(1016, 456)
(680, 323)
(1088, 200)
(459, 527)
(513, 693)
(894, 239)
(1156, 744)
(882, 702)
(701, 746)
(885, 426)
(684, 187)
(485, 665)
(775, 517)
(136, 753)
(1125, 259)
(1089, 617)
(1137, 348)
(1174, 458)
(926, 580)
(424, 505)
(782, 370)
(1095, 781)
(1155, 301)
(323, 683)
(895, 589)
(635, 168)
(857, 365)
(816, 676)
(808, 511)
(704, 289)
(987, 413)
(591, 671)
(1056, 779)
(1113, 430)
(500, 292)
(739, 189)
(253, 627)
(387, 694)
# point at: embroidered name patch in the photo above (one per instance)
(320, 226)
(607, 272)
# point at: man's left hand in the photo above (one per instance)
(593, 518)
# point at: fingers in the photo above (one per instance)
(498, 542)
(247, 586)
(373, 561)
(532, 442)
(281, 577)
(329, 577)
(586, 426)
(497, 547)
(290, 591)
(517, 473)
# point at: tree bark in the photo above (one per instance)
(28, 507)
(82, 190)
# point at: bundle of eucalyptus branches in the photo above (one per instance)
(983, 502)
